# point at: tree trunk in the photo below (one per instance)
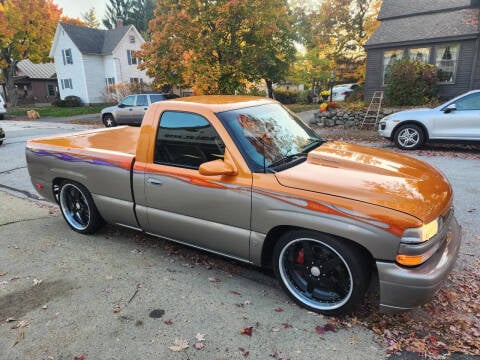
(12, 95)
(269, 88)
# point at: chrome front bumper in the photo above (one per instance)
(406, 288)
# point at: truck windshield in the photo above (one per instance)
(269, 137)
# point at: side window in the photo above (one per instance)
(186, 140)
(142, 100)
(469, 102)
(129, 100)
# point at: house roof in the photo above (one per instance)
(95, 41)
(441, 25)
(35, 71)
(396, 8)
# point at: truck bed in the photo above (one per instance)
(119, 139)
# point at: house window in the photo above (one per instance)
(132, 60)
(420, 54)
(67, 84)
(389, 58)
(110, 81)
(446, 57)
(131, 38)
(51, 90)
(67, 56)
(136, 80)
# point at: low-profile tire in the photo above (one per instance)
(321, 272)
(409, 137)
(78, 208)
(108, 120)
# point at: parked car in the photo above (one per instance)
(456, 120)
(341, 92)
(243, 177)
(3, 107)
(131, 109)
(2, 136)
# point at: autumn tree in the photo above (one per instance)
(339, 29)
(90, 18)
(217, 46)
(27, 28)
(131, 12)
(72, 21)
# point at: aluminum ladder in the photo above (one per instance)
(373, 111)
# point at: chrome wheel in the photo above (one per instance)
(78, 208)
(321, 272)
(75, 207)
(316, 274)
(109, 121)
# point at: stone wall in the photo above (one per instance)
(343, 117)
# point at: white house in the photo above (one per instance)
(87, 59)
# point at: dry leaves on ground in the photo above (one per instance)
(447, 324)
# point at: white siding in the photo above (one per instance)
(123, 69)
(95, 77)
(74, 71)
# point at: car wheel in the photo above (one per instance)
(78, 208)
(109, 121)
(409, 137)
(320, 272)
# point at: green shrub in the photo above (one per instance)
(290, 96)
(410, 82)
(69, 101)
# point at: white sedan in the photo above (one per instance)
(455, 120)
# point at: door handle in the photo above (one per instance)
(154, 181)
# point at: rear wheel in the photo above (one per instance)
(78, 208)
(109, 121)
(321, 272)
(409, 137)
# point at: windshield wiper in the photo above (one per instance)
(313, 145)
(289, 160)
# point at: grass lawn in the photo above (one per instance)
(57, 111)
(296, 108)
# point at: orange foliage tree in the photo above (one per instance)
(215, 47)
(27, 28)
(73, 21)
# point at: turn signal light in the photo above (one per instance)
(410, 260)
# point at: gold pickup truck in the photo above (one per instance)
(245, 178)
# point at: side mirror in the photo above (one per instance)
(450, 108)
(120, 105)
(219, 167)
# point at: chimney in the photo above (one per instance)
(119, 22)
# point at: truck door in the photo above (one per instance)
(210, 212)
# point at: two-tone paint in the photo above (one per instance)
(362, 195)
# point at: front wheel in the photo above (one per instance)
(78, 208)
(109, 121)
(409, 137)
(320, 272)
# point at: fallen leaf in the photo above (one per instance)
(235, 293)
(200, 337)
(117, 309)
(275, 329)
(10, 320)
(20, 337)
(20, 324)
(168, 322)
(279, 309)
(244, 352)
(199, 345)
(80, 357)
(247, 331)
(286, 325)
(213, 279)
(320, 330)
(179, 345)
(45, 307)
(3, 273)
(37, 282)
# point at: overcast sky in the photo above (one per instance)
(75, 8)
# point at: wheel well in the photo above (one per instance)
(411, 122)
(105, 115)
(275, 233)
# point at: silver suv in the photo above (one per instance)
(131, 109)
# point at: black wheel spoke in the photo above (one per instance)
(307, 251)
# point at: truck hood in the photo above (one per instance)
(373, 176)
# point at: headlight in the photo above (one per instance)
(421, 234)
